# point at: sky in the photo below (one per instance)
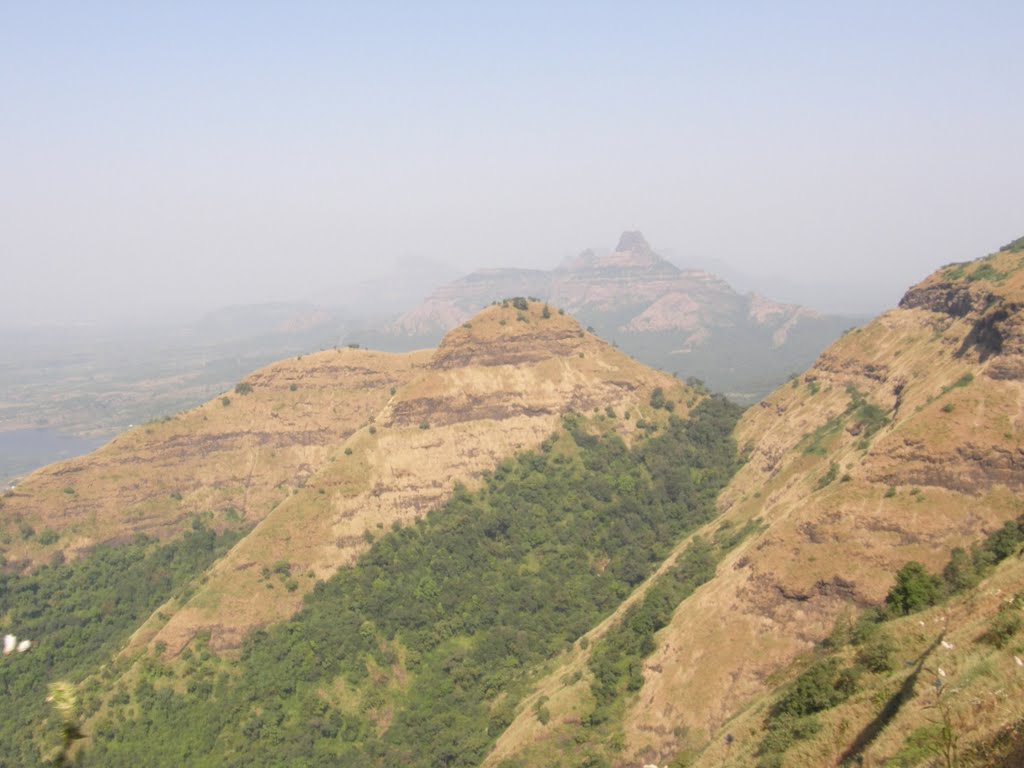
(169, 157)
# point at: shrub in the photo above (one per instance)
(915, 590)
(658, 398)
(225, 401)
(243, 388)
(816, 690)
(876, 654)
(520, 303)
(293, 386)
(1003, 627)
(1015, 247)
(48, 537)
(986, 272)
(424, 425)
(828, 477)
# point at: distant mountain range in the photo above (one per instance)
(95, 381)
(685, 321)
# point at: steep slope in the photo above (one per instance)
(231, 460)
(684, 320)
(309, 461)
(902, 442)
(497, 385)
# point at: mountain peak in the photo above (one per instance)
(633, 241)
(512, 332)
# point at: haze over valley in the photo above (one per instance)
(520, 385)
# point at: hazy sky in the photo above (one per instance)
(193, 154)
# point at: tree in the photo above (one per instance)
(915, 589)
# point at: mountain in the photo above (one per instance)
(72, 388)
(523, 548)
(329, 444)
(688, 321)
(903, 441)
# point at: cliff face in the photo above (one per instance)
(904, 440)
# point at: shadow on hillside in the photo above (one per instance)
(889, 711)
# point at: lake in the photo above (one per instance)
(23, 450)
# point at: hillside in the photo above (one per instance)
(683, 320)
(524, 548)
(302, 466)
(903, 441)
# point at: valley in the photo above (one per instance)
(525, 548)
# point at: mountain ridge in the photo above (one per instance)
(862, 464)
(686, 320)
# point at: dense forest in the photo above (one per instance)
(417, 655)
(77, 615)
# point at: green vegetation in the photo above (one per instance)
(915, 590)
(814, 444)
(866, 418)
(828, 477)
(658, 400)
(77, 615)
(243, 388)
(987, 272)
(438, 628)
(963, 381)
(1017, 246)
(828, 682)
(955, 271)
(617, 660)
(822, 686)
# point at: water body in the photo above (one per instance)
(23, 450)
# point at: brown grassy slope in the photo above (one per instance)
(981, 698)
(942, 472)
(236, 461)
(496, 385)
(960, 447)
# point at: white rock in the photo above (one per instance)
(10, 642)
(24, 645)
